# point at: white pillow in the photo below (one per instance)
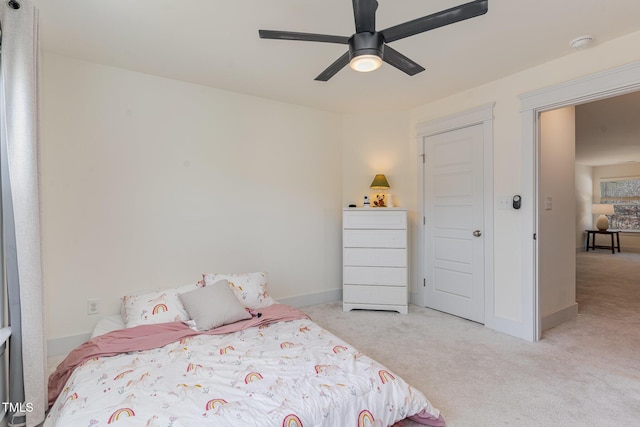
(189, 287)
(138, 308)
(249, 288)
(213, 306)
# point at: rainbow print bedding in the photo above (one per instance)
(283, 373)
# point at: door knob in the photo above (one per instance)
(477, 233)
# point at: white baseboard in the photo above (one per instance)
(413, 299)
(313, 299)
(632, 250)
(623, 249)
(62, 346)
(562, 315)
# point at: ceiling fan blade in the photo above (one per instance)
(308, 37)
(332, 69)
(364, 12)
(401, 62)
(436, 20)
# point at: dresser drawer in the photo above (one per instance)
(387, 276)
(375, 219)
(374, 238)
(374, 295)
(381, 257)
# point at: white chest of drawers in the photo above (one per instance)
(374, 253)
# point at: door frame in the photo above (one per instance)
(606, 84)
(482, 115)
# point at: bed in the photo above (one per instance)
(273, 367)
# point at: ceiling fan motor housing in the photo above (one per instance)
(366, 43)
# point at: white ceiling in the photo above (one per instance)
(608, 131)
(216, 43)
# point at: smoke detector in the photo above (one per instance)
(581, 42)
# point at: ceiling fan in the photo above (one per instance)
(368, 47)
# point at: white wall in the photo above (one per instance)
(507, 151)
(628, 241)
(508, 253)
(148, 182)
(556, 214)
(94, 117)
(377, 143)
(584, 201)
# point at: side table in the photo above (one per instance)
(591, 240)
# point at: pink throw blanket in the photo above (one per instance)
(146, 337)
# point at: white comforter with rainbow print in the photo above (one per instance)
(287, 374)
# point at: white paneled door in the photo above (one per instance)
(454, 218)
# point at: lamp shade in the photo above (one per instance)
(380, 182)
(602, 209)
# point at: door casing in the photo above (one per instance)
(605, 84)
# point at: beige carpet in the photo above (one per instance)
(585, 372)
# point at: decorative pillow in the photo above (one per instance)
(249, 288)
(142, 308)
(213, 306)
(155, 307)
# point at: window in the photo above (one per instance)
(624, 195)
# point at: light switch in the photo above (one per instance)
(548, 203)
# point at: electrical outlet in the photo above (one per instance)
(93, 306)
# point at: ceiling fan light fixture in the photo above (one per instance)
(365, 63)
